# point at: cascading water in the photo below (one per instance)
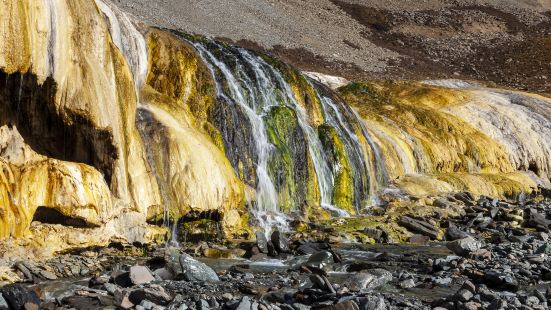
(254, 100)
(247, 82)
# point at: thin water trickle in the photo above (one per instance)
(127, 39)
(378, 167)
(173, 241)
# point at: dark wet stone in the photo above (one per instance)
(272, 251)
(262, 242)
(497, 304)
(155, 294)
(322, 283)
(121, 278)
(441, 203)
(89, 302)
(419, 239)
(347, 305)
(537, 220)
(306, 249)
(374, 233)
(465, 197)
(17, 296)
(419, 226)
(280, 242)
(500, 280)
(544, 249)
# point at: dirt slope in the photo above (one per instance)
(507, 42)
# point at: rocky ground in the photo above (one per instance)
(505, 42)
(495, 256)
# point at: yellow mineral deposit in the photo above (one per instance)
(138, 103)
(446, 138)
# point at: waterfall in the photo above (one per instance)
(323, 172)
(253, 100)
(246, 81)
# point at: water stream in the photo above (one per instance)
(246, 81)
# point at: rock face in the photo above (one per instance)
(70, 148)
(107, 127)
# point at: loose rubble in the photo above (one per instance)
(496, 256)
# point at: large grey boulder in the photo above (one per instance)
(358, 281)
(464, 246)
(320, 260)
(185, 267)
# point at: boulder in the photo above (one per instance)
(154, 293)
(465, 197)
(122, 300)
(453, 232)
(419, 239)
(322, 283)
(121, 278)
(17, 296)
(464, 246)
(262, 242)
(280, 242)
(372, 303)
(373, 233)
(408, 283)
(244, 304)
(194, 270)
(464, 295)
(358, 281)
(538, 221)
(420, 227)
(346, 305)
(320, 260)
(140, 275)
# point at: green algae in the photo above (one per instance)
(343, 190)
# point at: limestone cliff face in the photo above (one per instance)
(109, 128)
(72, 74)
(441, 136)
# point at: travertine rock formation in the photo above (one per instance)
(109, 128)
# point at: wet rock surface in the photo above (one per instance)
(496, 256)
